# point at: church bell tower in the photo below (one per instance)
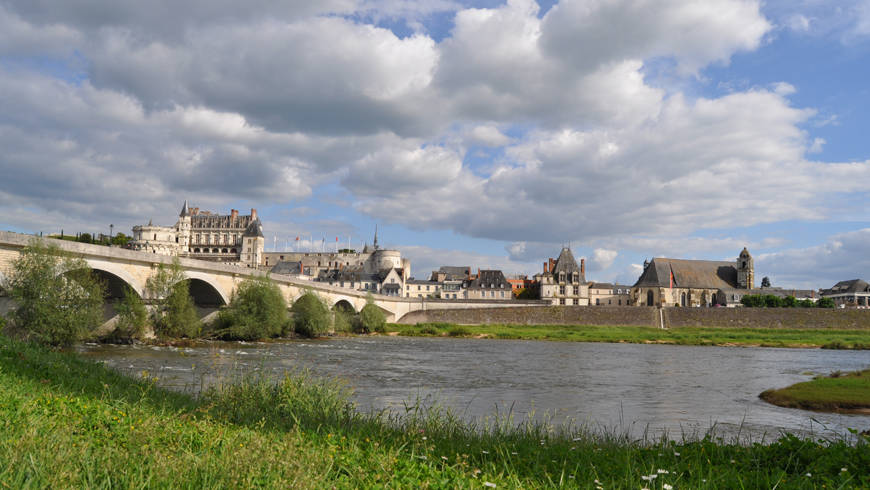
(745, 270)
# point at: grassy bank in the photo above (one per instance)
(66, 422)
(838, 392)
(802, 338)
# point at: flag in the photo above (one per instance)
(336, 239)
(297, 239)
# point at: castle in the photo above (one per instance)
(204, 235)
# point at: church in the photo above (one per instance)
(679, 282)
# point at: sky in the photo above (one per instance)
(488, 134)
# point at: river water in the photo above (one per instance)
(640, 389)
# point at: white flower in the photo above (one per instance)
(667, 487)
(809, 474)
(662, 472)
(597, 482)
(844, 469)
(676, 453)
(649, 477)
(489, 484)
(485, 452)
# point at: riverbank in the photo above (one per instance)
(838, 392)
(718, 336)
(67, 422)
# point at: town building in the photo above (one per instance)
(563, 282)
(853, 293)
(489, 285)
(454, 281)
(680, 282)
(417, 288)
(375, 269)
(607, 294)
(232, 238)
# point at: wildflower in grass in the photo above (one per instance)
(667, 487)
(662, 472)
(485, 452)
(844, 469)
(489, 484)
(809, 475)
(648, 477)
(444, 458)
(676, 453)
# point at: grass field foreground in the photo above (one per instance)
(838, 392)
(71, 423)
(764, 337)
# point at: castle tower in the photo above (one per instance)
(253, 243)
(184, 229)
(745, 270)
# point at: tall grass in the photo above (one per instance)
(65, 422)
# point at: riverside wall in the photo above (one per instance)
(802, 318)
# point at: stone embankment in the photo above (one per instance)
(649, 317)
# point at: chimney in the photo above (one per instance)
(301, 271)
(546, 269)
(583, 268)
(253, 214)
(234, 213)
(552, 264)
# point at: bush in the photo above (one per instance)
(311, 317)
(2, 323)
(771, 301)
(59, 299)
(371, 319)
(256, 311)
(459, 331)
(826, 303)
(132, 316)
(789, 302)
(174, 313)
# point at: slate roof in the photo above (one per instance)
(454, 273)
(705, 274)
(185, 211)
(606, 285)
(567, 264)
(254, 229)
(491, 279)
(287, 268)
(851, 286)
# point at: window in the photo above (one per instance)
(562, 290)
(597, 302)
(562, 301)
(620, 302)
(608, 302)
(502, 294)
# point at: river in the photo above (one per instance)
(653, 389)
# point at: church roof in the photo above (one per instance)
(706, 274)
(254, 229)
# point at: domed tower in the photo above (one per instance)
(745, 270)
(184, 228)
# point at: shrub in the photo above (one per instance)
(789, 302)
(174, 313)
(771, 301)
(826, 303)
(59, 299)
(311, 317)
(2, 323)
(459, 331)
(256, 311)
(371, 319)
(132, 316)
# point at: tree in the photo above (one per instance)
(120, 239)
(257, 310)
(174, 314)
(85, 238)
(371, 318)
(765, 282)
(311, 317)
(789, 302)
(826, 303)
(771, 301)
(132, 316)
(753, 301)
(59, 299)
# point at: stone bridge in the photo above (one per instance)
(212, 284)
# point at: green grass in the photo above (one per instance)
(765, 337)
(838, 392)
(70, 423)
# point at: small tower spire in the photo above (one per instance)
(376, 236)
(184, 210)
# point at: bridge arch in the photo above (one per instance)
(113, 273)
(344, 305)
(206, 292)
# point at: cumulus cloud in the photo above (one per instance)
(602, 259)
(425, 259)
(842, 257)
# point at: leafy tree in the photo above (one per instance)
(174, 314)
(753, 301)
(132, 316)
(765, 282)
(826, 303)
(344, 318)
(121, 239)
(789, 302)
(59, 299)
(257, 310)
(371, 318)
(311, 317)
(807, 303)
(771, 301)
(85, 238)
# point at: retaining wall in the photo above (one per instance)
(645, 316)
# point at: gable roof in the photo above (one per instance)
(706, 274)
(567, 264)
(254, 229)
